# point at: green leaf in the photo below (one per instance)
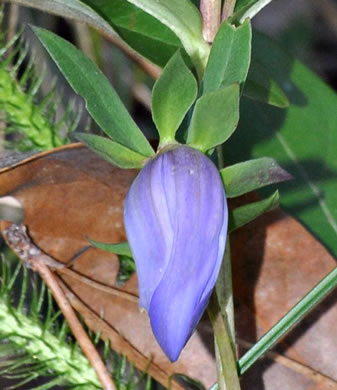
(302, 138)
(102, 102)
(251, 175)
(282, 327)
(112, 152)
(214, 118)
(138, 29)
(73, 9)
(172, 96)
(243, 5)
(261, 87)
(154, 50)
(141, 31)
(248, 9)
(184, 19)
(121, 248)
(247, 213)
(229, 58)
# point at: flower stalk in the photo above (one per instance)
(224, 293)
(226, 363)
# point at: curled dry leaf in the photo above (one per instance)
(70, 193)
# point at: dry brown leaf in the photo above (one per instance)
(275, 263)
(71, 194)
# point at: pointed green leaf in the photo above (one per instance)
(229, 58)
(247, 213)
(214, 118)
(302, 138)
(251, 175)
(184, 19)
(172, 96)
(261, 87)
(102, 102)
(144, 33)
(153, 49)
(121, 248)
(73, 9)
(140, 30)
(112, 152)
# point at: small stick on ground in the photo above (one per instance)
(19, 241)
(99, 286)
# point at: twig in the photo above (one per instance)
(27, 250)
(23, 246)
(75, 325)
(117, 342)
(151, 69)
(325, 381)
(19, 241)
(228, 9)
(211, 12)
(13, 20)
(143, 94)
(99, 286)
(83, 39)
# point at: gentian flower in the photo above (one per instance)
(176, 217)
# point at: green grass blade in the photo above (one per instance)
(303, 307)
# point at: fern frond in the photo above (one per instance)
(34, 121)
(36, 345)
(35, 341)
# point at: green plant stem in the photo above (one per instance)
(228, 9)
(224, 301)
(224, 287)
(303, 307)
(226, 363)
(219, 153)
(224, 293)
(211, 13)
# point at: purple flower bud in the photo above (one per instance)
(175, 217)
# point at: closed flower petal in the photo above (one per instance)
(176, 222)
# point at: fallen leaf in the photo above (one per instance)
(275, 263)
(70, 194)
